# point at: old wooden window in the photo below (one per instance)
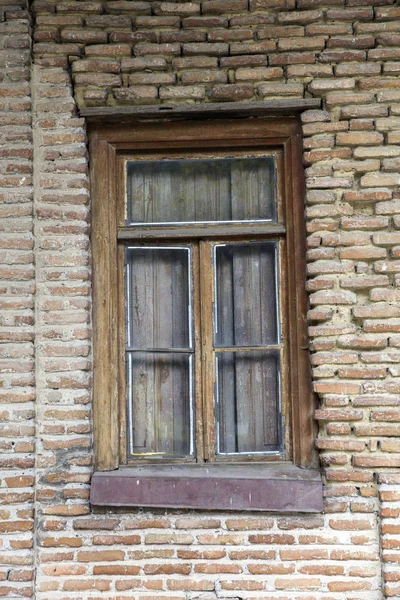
(200, 341)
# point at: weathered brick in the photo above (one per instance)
(209, 49)
(223, 6)
(232, 92)
(258, 74)
(137, 93)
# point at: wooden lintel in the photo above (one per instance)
(124, 114)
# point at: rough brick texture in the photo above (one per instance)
(118, 52)
(17, 286)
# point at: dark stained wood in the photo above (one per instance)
(126, 114)
(211, 487)
(196, 136)
(303, 425)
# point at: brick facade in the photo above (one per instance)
(124, 52)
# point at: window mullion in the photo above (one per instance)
(207, 348)
(197, 358)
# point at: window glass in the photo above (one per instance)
(245, 311)
(247, 404)
(200, 190)
(159, 351)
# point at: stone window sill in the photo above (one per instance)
(247, 487)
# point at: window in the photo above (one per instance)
(200, 341)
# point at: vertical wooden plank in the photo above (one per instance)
(269, 295)
(122, 395)
(208, 376)
(163, 329)
(135, 193)
(245, 407)
(223, 206)
(186, 191)
(141, 335)
(302, 413)
(140, 368)
(181, 275)
(227, 417)
(105, 334)
(269, 391)
(266, 178)
(197, 340)
(269, 302)
(247, 325)
(227, 394)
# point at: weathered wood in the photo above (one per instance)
(111, 146)
(126, 114)
(247, 317)
(194, 138)
(211, 230)
(197, 359)
(105, 303)
(303, 425)
(207, 356)
(200, 190)
(158, 317)
(122, 396)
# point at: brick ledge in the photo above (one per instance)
(248, 487)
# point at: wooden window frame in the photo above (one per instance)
(107, 143)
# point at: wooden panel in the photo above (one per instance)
(158, 298)
(246, 294)
(229, 133)
(246, 308)
(248, 402)
(253, 189)
(159, 392)
(159, 404)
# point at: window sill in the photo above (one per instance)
(250, 487)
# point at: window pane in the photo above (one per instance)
(226, 189)
(248, 404)
(246, 308)
(157, 298)
(160, 404)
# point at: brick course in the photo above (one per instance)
(17, 286)
(124, 52)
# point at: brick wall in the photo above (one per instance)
(17, 286)
(134, 52)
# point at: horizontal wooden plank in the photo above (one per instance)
(124, 114)
(160, 350)
(246, 348)
(199, 230)
(213, 487)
